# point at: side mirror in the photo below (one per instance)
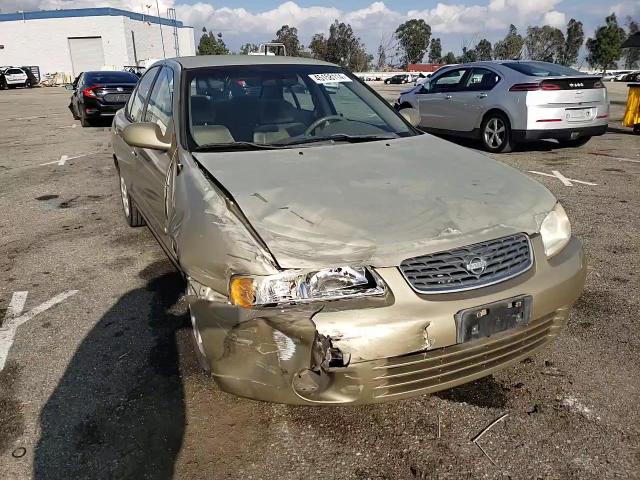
(145, 135)
(411, 115)
(69, 86)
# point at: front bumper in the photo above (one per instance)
(569, 133)
(395, 347)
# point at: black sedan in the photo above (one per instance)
(98, 95)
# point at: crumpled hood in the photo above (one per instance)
(377, 203)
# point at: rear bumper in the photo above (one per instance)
(558, 134)
(398, 347)
(97, 109)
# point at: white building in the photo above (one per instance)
(77, 40)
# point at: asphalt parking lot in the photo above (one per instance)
(101, 380)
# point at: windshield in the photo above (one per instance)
(111, 77)
(284, 105)
(542, 69)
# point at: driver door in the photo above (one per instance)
(155, 164)
(435, 99)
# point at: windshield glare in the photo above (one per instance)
(280, 105)
(542, 69)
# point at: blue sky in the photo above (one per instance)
(457, 22)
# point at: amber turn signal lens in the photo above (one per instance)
(241, 292)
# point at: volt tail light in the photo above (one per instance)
(532, 87)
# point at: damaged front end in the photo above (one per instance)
(341, 335)
(275, 353)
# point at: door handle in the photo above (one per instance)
(448, 97)
(482, 95)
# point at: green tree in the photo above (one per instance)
(573, 41)
(544, 43)
(604, 49)
(483, 50)
(289, 37)
(510, 48)
(632, 55)
(382, 58)
(413, 37)
(435, 51)
(449, 58)
(318, 46)
(345, 49)
(468, 55)
(211, 44)
(247, 48)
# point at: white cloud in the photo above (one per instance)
(239, 25)
(626, 8)
(555, 19)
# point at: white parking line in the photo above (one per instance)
(13, 318)
(63, 159)
(566, 181)
(562, 178)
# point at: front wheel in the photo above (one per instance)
(576, 142)
(495, 133)
(131, 212)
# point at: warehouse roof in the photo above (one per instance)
(86, 12)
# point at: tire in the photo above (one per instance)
(84, 121)
(578, 142)
(131, 212)
(73, 112)
(495, 133)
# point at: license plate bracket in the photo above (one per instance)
(486, 320)
(578, 114)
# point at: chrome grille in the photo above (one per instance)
(453, 270)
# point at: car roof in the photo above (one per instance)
(200, 61)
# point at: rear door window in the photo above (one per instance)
(481, 79)
(139, 96)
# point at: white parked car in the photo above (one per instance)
(16, 77)
(505, 102)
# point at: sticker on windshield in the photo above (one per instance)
(323, 78)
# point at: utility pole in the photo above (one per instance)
(164, 55)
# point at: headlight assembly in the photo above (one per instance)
(555, 231)
(299, 286)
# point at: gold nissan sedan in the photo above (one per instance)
(333, 254)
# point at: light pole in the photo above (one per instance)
(164, 55)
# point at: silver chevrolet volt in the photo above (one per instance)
(505, 102)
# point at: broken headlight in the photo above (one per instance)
(555, 231)
(297, 286)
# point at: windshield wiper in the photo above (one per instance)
(341, 137)
(234, 146)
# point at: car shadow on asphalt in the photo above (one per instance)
(118, 411)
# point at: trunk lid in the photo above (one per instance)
(376, 203)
